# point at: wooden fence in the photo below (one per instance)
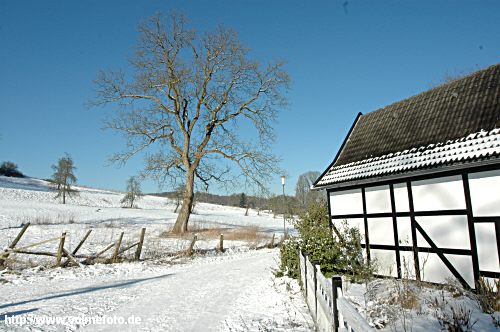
(220, 246)
(73, 258)
(330, 311)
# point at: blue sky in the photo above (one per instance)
(343, 58)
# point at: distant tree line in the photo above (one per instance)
(290, 205)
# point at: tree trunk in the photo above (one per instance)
(187, 203)
(64, 196)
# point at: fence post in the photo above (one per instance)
(117, 248)
(3, 257)
(271, 245)
(80, 244)
(191, 246)
(60, 249)
(139, 245)
(305, 271)
(221, 243)
(336, 283)
(314, 264)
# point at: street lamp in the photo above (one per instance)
(284, 205)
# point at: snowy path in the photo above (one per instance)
(199, 298)
(233, 293)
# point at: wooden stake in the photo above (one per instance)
(13, 244)
(70, 257)
(77, 248)
(221, 243)
(191, 246)
(81, 242)
(60, 249)
(139, 246)
(117, 248)
(271, 245)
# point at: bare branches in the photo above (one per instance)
(188, 96)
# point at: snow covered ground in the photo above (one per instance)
(224, 293)
(32, 200)
(233, 291)
(402, 305)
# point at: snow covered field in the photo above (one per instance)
(32, 200)
(234, 291)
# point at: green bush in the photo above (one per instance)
(336, 254)
(289, 258)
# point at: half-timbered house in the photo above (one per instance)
(421, 180)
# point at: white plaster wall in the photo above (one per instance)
(380, 231)
(401, 197)
(346, 202)
(463, 264)
(352, 222)
(434, 270)
(487, 247)
(485, 193)
(378, 199)
(445, 231)
(438, 194)
(385, 262)
(404, 231)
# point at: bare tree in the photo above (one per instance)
(190, 96)
(134, 192)
(303, 191)
(64, 177)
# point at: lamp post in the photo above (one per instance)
(284, 205)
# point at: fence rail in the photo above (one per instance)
(329, 309)
(63, 253)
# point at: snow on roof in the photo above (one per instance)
(473, 147)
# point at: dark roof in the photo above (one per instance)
(420, 128)
(447, 112)
(482, 146)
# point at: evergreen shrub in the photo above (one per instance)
(338, 251)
